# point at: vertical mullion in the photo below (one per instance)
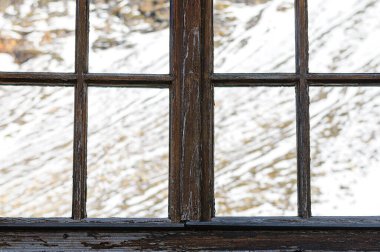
(191, 162)
(175, 148)
(207, 110)
(80, 115)
(302, 108)
(186, 105)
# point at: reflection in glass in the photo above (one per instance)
(344, 36)
(254, 36)
(128, 152)
(255, 152)
(345, 144)
(36, 132)
(37, 36)
(129, 36)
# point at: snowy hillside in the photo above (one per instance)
(255, 142)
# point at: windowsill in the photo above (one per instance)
(327, 222)
(104, 223)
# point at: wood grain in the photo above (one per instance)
(302, 110)
(254, 79)
(207, 113)
(80, 111)
(191, 197)
(185, 107)
(129, 80)
(326, 79)
(38, 79)
(191, 132)
(191, 240)
(191, 149)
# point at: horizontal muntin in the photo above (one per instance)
(69, 79)
(165, 80)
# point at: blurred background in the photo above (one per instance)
(128, 145)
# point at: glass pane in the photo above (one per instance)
(345, 144)
(128, 152)
(37, 36)
(129, 36)
(255, 152)
(254, 36)
(36, 132)
(344, 36)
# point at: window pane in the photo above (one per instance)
(129, 36)
(344, 36)
(128, 152)
(37, 36)
(254, 36)
(36, 132)
(255, 152)
(345, 144)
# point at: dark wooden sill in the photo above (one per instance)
(237, 233)
(333, 222)
(88, 223)
(189, 238)
(220, 223)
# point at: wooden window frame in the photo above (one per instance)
(191, 82)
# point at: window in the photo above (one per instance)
(198, 202)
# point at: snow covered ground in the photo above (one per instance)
(255, 141)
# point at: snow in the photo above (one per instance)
(255, 131)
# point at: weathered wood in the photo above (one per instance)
(103, 223)
(191, 196)
(175, 125)
(191, 155)
(254, 79)
(302, 109)
(37, 79)
(81, 109)
(327, 79)
(185, 107)
(195, 239)
(290, 222)
(220, 223)
(207, 112)
(129, 80)
(164, 81)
